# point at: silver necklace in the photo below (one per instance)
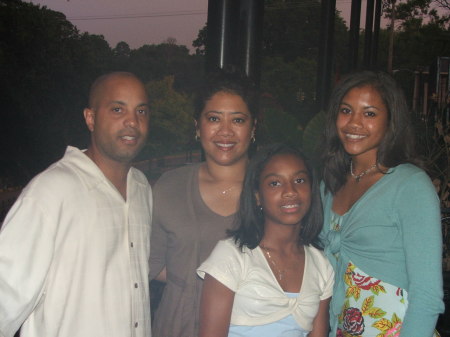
(281, 273)
(362, 174)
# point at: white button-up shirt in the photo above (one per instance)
(74, 255)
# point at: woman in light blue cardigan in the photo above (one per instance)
(381, 230)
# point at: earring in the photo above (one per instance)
(253, 139)
(196, 137)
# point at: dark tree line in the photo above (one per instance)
(47, 65)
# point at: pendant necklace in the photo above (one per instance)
(362, 174)
(281, 273)
(227, 190)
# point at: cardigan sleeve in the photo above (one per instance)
(419, 216)
(26, 252)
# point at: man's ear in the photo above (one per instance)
(89, 117)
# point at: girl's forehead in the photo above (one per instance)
(363, 88)
(284, 162)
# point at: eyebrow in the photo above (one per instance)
(277, 175)
(366, 107)
(117, 102)
(123, 103)
(232, 112)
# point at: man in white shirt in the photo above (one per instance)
(74, 248)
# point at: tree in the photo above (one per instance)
(279, 126)
(410, 15)
(171, 121)
(200, 42)
(45, 66)
(290, 52)
(291, 84)
(417, 44)
(420, 10)
(154, 62)
(445, 4)
(171, 40)
(122, 49)
(291, 29)
(121, 55)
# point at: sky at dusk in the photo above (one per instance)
(140, 22)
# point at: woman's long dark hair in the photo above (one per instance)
(397, 146)
(250, 219)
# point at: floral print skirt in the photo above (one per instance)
(372, 308)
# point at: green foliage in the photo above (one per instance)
(341, 36)
(121, 55)
(171, 121)
(290, 53)
(278, 126)
(410, 43)
(416, 46)
(292, 84)
(290, 45)
(444, 4)
(45, 66)
(292, 29)
(312, 136)
(154, 62)
(200, 42)
(416, 10)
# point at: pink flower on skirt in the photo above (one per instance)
(394, 331)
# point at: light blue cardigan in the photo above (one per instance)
(393, 233)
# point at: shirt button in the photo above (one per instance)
(136, 324)
(135, 285)
(131, 244)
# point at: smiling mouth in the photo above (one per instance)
(129, 140)
(290, 206)
(128, 137)
(225, 146)
(354, 136)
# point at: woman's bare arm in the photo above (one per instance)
(321, 323)
(215, 308)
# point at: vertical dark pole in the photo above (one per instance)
(391, 37)
(368, 33)
(376, 34)
(250, 38)
(326, 52)
(355, 18)
(222, 34)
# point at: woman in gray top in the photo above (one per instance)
(195, 205)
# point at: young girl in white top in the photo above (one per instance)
(268, 278)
